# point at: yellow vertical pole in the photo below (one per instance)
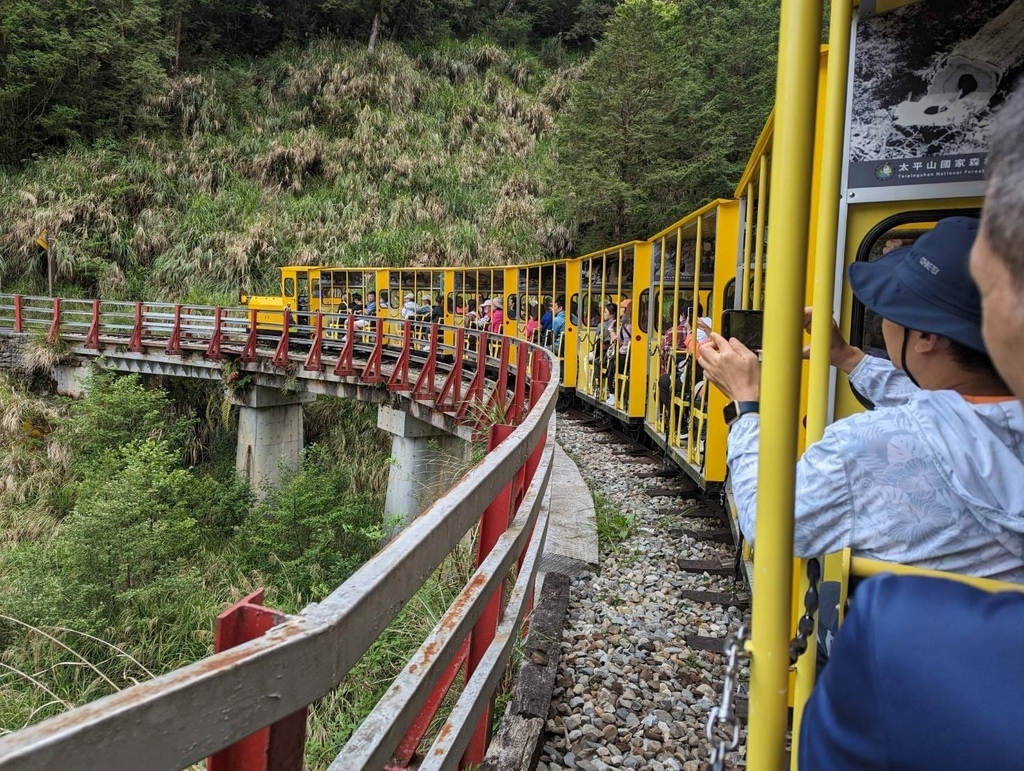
(671, 435)
(792, 160)
(825, 251)
(663, 281)
(825, 256)
(748, 236)
(762, 212)
(691, 439)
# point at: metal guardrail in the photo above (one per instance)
(191, 713)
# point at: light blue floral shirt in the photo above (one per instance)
(927, 479)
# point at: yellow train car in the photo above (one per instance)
(692, 280)
(611, 311)
(863, 168)
(306, 291)
(537, 286)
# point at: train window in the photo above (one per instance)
(674, 305)
(895, 232)
(644, 311)
(289, 287)
(573, 310)
(707, 260)
(512, 307)
(730, 295)
(382, 298)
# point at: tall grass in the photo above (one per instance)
(321, 154)
(34, 469)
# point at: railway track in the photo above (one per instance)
(642, 659)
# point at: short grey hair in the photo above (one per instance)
(1004, 200)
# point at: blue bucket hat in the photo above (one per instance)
(927, 286)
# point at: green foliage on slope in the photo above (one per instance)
(665, 114)
(142, 551)
(317, 155)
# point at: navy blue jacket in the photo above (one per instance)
(925, 674)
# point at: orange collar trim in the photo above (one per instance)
(989, 399)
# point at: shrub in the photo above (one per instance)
(312, 532)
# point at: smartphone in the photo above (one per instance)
(745, 326)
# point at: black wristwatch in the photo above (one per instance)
(733, 411)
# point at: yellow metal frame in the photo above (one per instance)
(587, 340)
(696, 415)
(636, 377)
(825, 250)
(569, 363)
(704, 292)
(793, 151)
(748, 236)
(726, 246)
(759, 234)
(862, 567)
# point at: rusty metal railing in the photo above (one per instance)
(265, 684)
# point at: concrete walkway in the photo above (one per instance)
(571, 545)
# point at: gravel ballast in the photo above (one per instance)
(629, 692)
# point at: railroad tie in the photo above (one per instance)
(718, 535)
(711, 567)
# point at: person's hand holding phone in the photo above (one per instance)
(732, 367)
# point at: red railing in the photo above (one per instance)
(245, 705)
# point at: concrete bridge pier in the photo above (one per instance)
(71, 379)
(425, 462)
(270, 435)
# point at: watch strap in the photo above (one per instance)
(735, 410)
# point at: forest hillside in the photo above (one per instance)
(182, 149)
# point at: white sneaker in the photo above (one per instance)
(610, 401)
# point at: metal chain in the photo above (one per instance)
(724, 715)
(805, 626)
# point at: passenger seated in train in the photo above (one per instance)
(497, 316)
(483, 320)
(371, 303)
(680, 340)
(603, 350)
(927, 673)
(412, 310)
(546, 319)
(557, 324)
(607, 325)
(532, 329)
(925, 479)
(618, 364)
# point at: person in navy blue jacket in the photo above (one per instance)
(929, 673)
(925, 674)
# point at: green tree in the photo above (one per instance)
(663, 115)
(617, 132)
(314, 531)
(116, 412)
(130, 531)
(76, 69)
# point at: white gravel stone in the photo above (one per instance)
(629, 693)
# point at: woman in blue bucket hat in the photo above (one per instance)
(931, 476)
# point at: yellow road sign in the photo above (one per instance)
(41, 240)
